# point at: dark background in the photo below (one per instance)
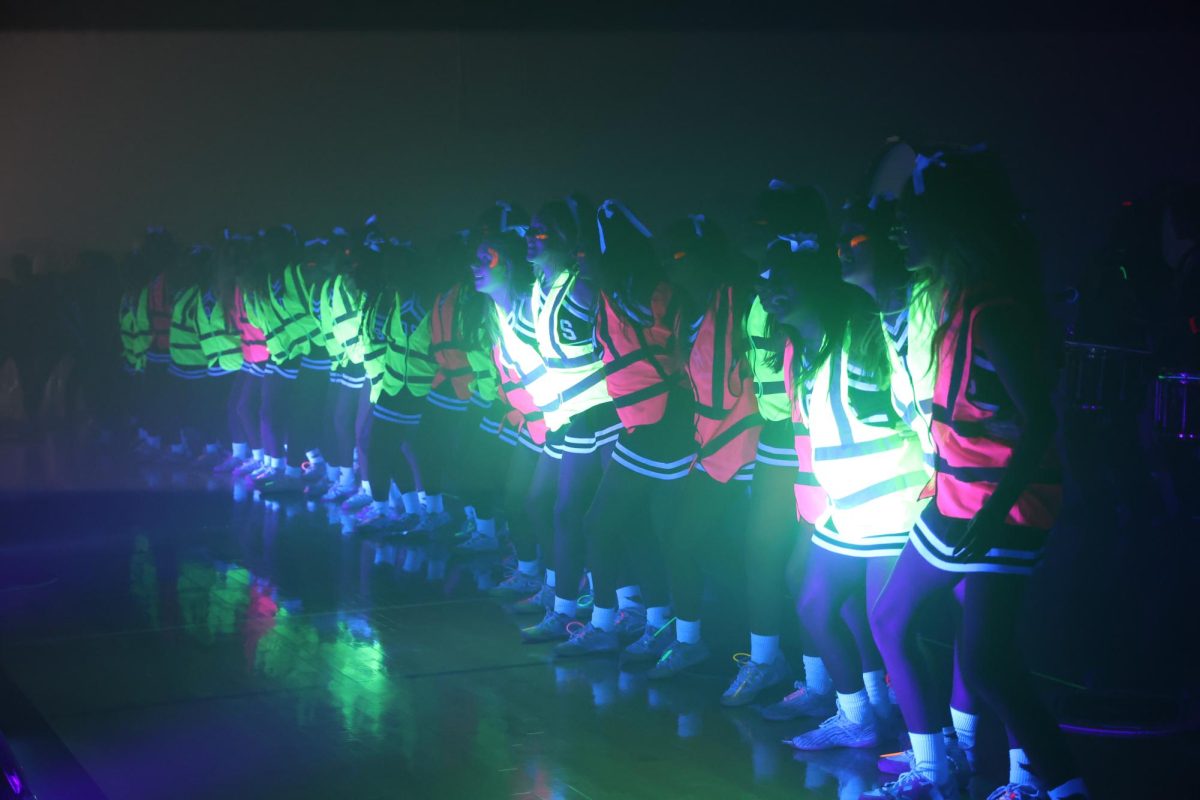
(103, 132)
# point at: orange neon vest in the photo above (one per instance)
(811, 500)
(447, 350)
(638, 368)
(524, 412)
(727, 418)
(969, 463)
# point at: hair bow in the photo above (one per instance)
(608, 210)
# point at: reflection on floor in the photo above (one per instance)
(187, 641)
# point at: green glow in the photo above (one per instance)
(143, 579)
(1124, 274)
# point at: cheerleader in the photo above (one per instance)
(133, 318)
(246, 396)
(995, 490)
(868, 466)
(726, 426)
(337, 304)
(565, 306)
(189, 365)
(637, 331)
(221, 344)
(771, 529)
(484, 477)
(400, 370)
(161, 256)
(502, 272)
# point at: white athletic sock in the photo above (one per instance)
(627, 596)
(366, 486)
(527, 567)
(470, 513)
(1018, 769)
(435, 503)
(763, 649)
(877, 688)
(855, 706)
(213, 447)
(562, 606)
(486, 527)
(550, 578)
(277, 463)
(411, 503)
(380, 505)
(929, 756)
(687, 631)
(1071, 787)
(258, 454)
(603, 618)
(292, 472)
(816, 677)
(964, 726)
(314, 456)
(241, 450)
(332, 473)
(657, 616)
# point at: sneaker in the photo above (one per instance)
(356, 501)
(913, 785)
(228, 465)
(246, 468)
(677, 657)
(405, 522)
(430, 524)
(338, 492)
(467, 531)
(586, 640)
(1017, 791)
(373, 517)
(280, 483)
(540, 602)
(313, 474)
(752, 678)
(316, 488)
(962, 762)
(479, 543)
(652, 644)
(630, 624)
(517, 584)
(553, 626)
(803, 702)
(838, 731)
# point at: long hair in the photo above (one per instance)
(838, 307)
(628, 264)
(962, 210)
(478, 320)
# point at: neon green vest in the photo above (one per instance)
(222, 345)
(769, 386)
(487, 378)
(872, 474)
(290, 326)
(574, 369)
(135, 330)
(345, 322)
(185, 338)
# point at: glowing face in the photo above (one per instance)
(856, 254)
(488, 269)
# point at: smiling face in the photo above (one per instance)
(488, 270)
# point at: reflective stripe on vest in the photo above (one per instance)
(574, 369)
(873, 474)
(287, 317)
(727, 418)
(184, 339)
(638, 368)
(969, 462)
(524, 380)
(769, 386)
(221, 342)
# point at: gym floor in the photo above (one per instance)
(160, 638)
